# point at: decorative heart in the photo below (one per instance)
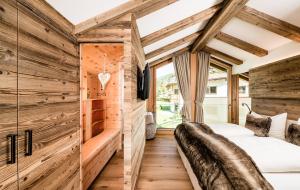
(103, 78)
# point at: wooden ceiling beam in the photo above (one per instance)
(222, 55)
(117, 12)
(219, 63)
(255, 50)
(160, 64)
(154, 7)
(169, 56)
(180, 25)
(229, 10)
(270, 23)
(173, 45)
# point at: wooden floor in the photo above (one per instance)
(111, 177)
(162, 169)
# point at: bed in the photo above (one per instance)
(274, 162)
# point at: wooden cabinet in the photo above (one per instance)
(8, 92)
(39, 98)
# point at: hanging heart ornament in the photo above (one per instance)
(103, 78)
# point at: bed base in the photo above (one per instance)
(189, 169)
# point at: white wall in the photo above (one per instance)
(288, 50)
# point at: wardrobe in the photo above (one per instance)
(39, 98)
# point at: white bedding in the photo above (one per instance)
(278, 160)
(283, 181)
(230, 130)
(270, 154)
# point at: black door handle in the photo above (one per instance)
(13, 149)
(28, 144)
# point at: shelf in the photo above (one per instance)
(98, 110)
(97, 122)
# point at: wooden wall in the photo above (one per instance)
(122, 30)
(275, 88)
(8, 89)
(47, 76)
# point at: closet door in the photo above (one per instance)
(48, 87)
(8, 94)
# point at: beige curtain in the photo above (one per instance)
(201, 84)
(182, 67)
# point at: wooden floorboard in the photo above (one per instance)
(162, 168)
(111, 176)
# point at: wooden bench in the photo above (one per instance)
(97, 151)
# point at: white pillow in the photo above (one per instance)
(299, 121)
(278, 124)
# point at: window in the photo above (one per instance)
(168, 99)
(211, 90)
(243, 98)
(216, 98)
(176, 91)
(242, 89)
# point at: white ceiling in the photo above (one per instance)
(172, 14)
(77, 11)
(279, 47)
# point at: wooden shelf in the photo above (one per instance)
(96, 122)
(95, 118)
(98, 110)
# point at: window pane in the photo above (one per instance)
(216, 99)
(168, 99)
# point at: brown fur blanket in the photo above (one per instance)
(217, 162)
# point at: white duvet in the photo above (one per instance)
(278, 160)
(270, 154)
(230, 130)
(283, 181)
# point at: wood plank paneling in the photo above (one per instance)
(275, 88)
(48, 88)
(277, 80)
(273, 107)
(8, 90)
(105, 35)
(50, 16)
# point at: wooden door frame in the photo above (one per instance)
(223, 65)
(151, 103)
